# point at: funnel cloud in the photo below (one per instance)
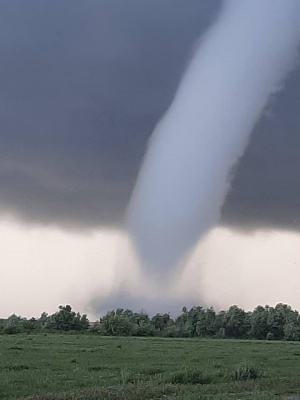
(242, 60)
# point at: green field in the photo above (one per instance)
(53, 366)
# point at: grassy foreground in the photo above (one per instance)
(91, 367)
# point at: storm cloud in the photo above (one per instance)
(82, 85)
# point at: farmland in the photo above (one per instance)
(87, 366)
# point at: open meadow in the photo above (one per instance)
(54, 366)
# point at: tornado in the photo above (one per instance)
(242, 60)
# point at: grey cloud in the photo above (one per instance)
(82, 85)
(266, 189)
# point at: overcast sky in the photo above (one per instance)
(82, 85)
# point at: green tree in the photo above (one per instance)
(116, 323)
(291, 332)
(259, 327)
(236, 322)
(13, 325)
(66, 320)
(31, 325)
(160, 322)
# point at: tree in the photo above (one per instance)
(259, 327)
(116, 323)
(30, 325)
(66, 320)
(236, 322)
(160, 322)
(13, 325)
(291, 332)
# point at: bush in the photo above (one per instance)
(270, 336)
(189, 377)
(221, 334)
(245, 372)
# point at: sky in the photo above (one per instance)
(82, 86)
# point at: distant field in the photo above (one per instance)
(90, 367)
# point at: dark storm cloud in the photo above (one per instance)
(266, 188)
(82, 85)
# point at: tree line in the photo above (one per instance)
(65, 319)
(264, 323)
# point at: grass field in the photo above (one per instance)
(83, 367)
